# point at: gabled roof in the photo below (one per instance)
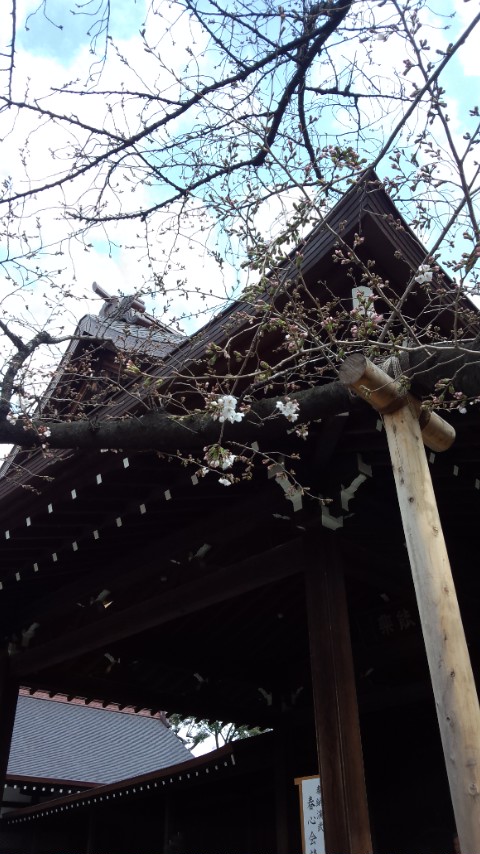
(366, 209)
(136, 525)
(157, 341)
(66, 741)
(116, 330)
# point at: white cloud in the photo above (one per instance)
(33, 149)
(53, 288)
(180, 255)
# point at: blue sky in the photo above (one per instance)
(52, 56)
(61, 29)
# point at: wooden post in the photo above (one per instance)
(281, 781)
(450, 669)
(90, 846)
(8, 705)
(346, 819)
(166, 820)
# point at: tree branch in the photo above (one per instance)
(314, 37)
(16, 362)
(161, 431)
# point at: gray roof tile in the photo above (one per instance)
(64, 741)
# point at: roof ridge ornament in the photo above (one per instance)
(129, 309)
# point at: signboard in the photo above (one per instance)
(311, 815)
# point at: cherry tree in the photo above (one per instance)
(225, 132)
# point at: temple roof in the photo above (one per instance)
(60, 740)
(213, 574)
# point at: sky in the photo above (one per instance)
(63, 29)
(54, 45)
(57, 49)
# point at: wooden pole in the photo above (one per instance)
(280, 782)
(449, 662)
(8, 705)
(339, 747)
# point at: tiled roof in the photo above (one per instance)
(66, 741)
(156, 340)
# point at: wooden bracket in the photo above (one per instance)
(388, 395)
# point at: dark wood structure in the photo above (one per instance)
(241, 605)
(223, 801)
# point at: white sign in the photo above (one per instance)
(313, 840)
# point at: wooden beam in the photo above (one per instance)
(117, 575)
(346, 820)
(451, 673)
(215, 587)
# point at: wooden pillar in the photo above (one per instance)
(91, 827)
(346, 819)
(8, 705)
(35, 843)
(451, 673)
(166, 820)
(281, 781)
(447, 653)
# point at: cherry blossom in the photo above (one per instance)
(289, 409)
(424, 275)
(225, 409)
(218, 457)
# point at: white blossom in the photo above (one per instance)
(424, 274)
(226, 405)
(228, 461)
(218, 457)
(47, 432)
(225, 481)
(289, 409)
(12, 418)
